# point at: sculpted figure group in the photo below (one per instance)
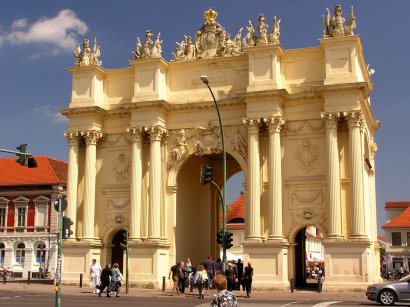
(212, 40)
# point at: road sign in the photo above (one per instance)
(60, 204)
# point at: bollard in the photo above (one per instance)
(28, 277)
(319, 284)
(292, 285)
(81, 280)
(163, 283)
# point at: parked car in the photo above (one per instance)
(390, 292)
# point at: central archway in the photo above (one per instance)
(197, 208)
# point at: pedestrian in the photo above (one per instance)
(105, 280)
(239, 268)
(95, 272)
(174, 272)
(247, 275)
(401, 272)
(200, 280)
(188, 267)
(116, 278)
(182, 275)
(218, 266)
(210, 269)
(231, 276)
(223, 298)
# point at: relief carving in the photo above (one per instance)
(306, 123)
(307, 156)
(121, 167)
(307, 217)
(306, 197)
(118, 203)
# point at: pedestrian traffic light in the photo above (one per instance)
(24, 158)
(124, 242)
(206, 174)
(228, 240)
(67, 232)
(219, 237)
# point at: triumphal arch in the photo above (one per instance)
(298, 124)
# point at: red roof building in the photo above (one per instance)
(28, 221)
(397, 234)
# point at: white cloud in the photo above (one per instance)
(50, 113)
(59, 33)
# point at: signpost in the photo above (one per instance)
(60, 205)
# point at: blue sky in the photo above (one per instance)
(37, 39)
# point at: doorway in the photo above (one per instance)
(117, 251)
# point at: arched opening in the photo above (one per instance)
(198, 207)
(117, 251)
(309, 257)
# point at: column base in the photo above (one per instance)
(254, 239)
(359, 237)
(276, 238)
(334, 237)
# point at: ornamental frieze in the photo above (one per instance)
(295, 127)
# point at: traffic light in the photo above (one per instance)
(24, 158)
(124, 242)
(228, 240)
(206, 174)
(219, 237)
(67, 232)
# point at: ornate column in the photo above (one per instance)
(333, 175)
(72, 177)
(253, 218)
(355, 121)
(275, 124)
(136, 183)
(154, 210)
(91, 139)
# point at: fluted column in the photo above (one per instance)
(136, 183)
(275, 178)
(91, 139)
(333, 175)
(154, 210)
(72, 177)
(355, 121)
(253, 217)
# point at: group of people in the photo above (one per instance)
(205, 277)
(107, 278)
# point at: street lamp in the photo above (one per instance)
(205, 80)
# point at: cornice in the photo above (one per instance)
(76, 69)
(323, 90)
(83, 110)
(279, 93)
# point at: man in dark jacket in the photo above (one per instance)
(105, 280)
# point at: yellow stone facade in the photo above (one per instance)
(298, 124)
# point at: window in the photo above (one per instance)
(396, 239)
(20, 254)
(3, 215)
(21, 217)
(40, 253)
(2, 254)
(41, 216)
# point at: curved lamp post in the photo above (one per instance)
(205, 80)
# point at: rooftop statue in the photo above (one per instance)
(150, 49)
(87, 57)
(251, 39)
(334, 26)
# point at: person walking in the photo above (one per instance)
(200, 279)
(210, 269)
(231, 276)
(105, 280)
(182, 275)
(95, 272)
(218, 266)
(239, 267)
(116, 278)
(223, 298)
(247, 275)
(174, 272)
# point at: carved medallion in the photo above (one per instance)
(307, 156)
(121, 168)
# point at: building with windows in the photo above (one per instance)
(28, 220)
(397, 235)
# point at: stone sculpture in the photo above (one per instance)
(150, 49)
(334, 26)
(87, 57)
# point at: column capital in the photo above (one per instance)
(92, 136)
(354, 119)
(275, 124)
(136, 133)
(253, 124)
(156, 133)
(331, 119)
(72, 137)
